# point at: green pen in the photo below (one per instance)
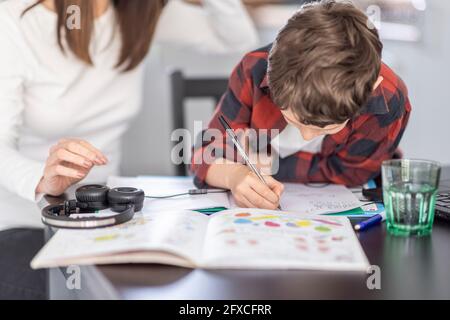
(211, 210)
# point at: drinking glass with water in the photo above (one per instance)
(409, 192)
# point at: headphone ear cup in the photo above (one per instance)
(120, 198)
(94, 196)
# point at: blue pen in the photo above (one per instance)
(366, 224)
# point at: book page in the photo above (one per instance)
(175, 232)
(315, 199)
(263, 239)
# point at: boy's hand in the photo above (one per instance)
(251, 192)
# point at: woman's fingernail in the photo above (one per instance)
(80, 175)
(88, 163)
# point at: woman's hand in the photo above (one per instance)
(69, 162)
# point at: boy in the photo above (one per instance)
(340, 111)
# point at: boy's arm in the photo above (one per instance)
(214, 162)
(235, 106)
(359, 159)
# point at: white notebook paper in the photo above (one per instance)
(304, 199)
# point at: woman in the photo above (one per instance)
(63, 76)
(57, 82)
(208, 26)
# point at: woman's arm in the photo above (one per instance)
(232, 24)
(18, 174)
(68, 162)
(214, 27)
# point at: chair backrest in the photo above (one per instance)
(183, 88)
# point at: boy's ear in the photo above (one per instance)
(379, 81)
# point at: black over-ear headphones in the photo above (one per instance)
(90, 199)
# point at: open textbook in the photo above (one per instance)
(320, 199)
(232, 239)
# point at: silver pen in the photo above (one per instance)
(241, 150)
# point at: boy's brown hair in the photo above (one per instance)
(324, 63)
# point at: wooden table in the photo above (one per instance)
(411, 268)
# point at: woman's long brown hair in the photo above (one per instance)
(137, 20)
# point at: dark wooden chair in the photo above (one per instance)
(183, 88)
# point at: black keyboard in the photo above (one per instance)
(443, 205)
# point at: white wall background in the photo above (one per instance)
(425, 67)
(147, 145)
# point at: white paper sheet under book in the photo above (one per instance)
(296, 197)
(164, 186)
(232, 239)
